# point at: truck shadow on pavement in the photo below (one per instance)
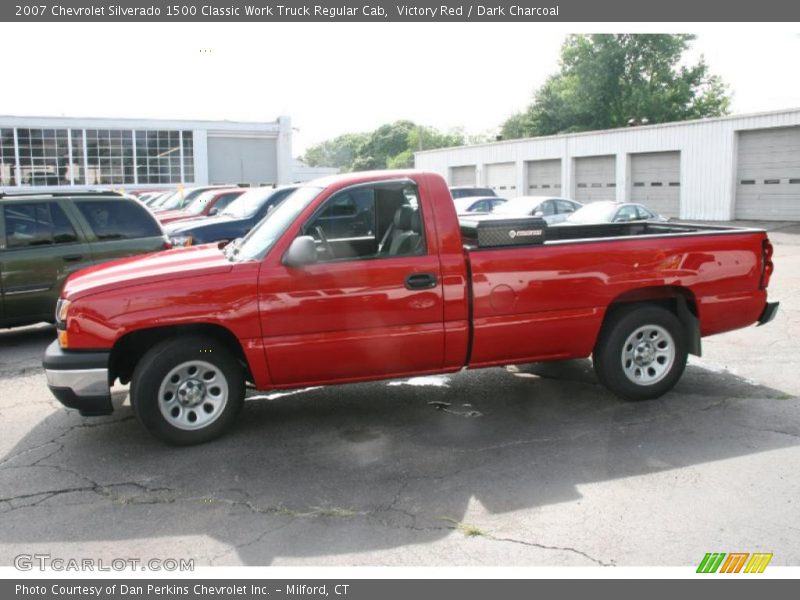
(358, 468)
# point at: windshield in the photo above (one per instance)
(248, 203)
(261, 238)
(597, 212)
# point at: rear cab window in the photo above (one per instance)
(118, 219)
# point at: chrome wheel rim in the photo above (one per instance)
(648, 355)
(193, 395)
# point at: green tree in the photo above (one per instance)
(607, 81)
(339, 152)
(389, 146)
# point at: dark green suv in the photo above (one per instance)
(44, 238)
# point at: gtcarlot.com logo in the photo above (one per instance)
(734, 562)
(29, 562)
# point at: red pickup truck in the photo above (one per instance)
(371, 276)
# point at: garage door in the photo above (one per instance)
(242, 160)
(595, 178)
(502, 178)
(768, 174)
(462, 175)
(656, 181)
(544, 175)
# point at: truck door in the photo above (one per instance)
(42, 248)
(371, 306)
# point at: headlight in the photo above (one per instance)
(180, 241)
(62, 309)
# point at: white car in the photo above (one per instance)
(552, 210)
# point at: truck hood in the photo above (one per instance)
(169, 265)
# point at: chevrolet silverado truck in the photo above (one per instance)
(304, 300)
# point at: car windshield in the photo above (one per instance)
(597, 212)
(262, 237)
(248, 203)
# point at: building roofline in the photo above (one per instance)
(558, 136)
(137, 121)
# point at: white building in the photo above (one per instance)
(736, 167)
(55, 153)
(302, 172)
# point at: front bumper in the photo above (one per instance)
(768, 313)
(79, 379)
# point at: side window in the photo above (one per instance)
(349, 214)
(369, 222)
(565, 207)
(226, 199)
(118, 219)
(28, 225)
(63, 231)
(626, 213)
(548, 208)
(480, 206)
(644, 213)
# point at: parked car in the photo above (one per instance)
(612, 212)
(208, 203)
(236, 220)
(157, 197)
(45, 237)
(465, 191)
(552, 210)
(293, 304)
(482, 204)
(181, 198)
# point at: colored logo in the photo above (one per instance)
(735, 562)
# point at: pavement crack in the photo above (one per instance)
(547, 547)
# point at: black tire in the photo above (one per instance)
(617, 371)
(207, 356)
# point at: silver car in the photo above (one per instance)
(552, 210)
(606, 211)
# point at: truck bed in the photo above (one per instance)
(561, 234)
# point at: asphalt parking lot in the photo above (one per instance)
(536, 465)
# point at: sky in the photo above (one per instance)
(334, 78)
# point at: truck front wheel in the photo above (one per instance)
(641, 352)
(187, 390)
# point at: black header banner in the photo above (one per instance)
(538, 11)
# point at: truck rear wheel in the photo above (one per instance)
(641, 352)
(187, 390)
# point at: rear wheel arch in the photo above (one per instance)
(129, 349)
(679, 300)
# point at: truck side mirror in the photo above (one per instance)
(213, 212)
(301, 252)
